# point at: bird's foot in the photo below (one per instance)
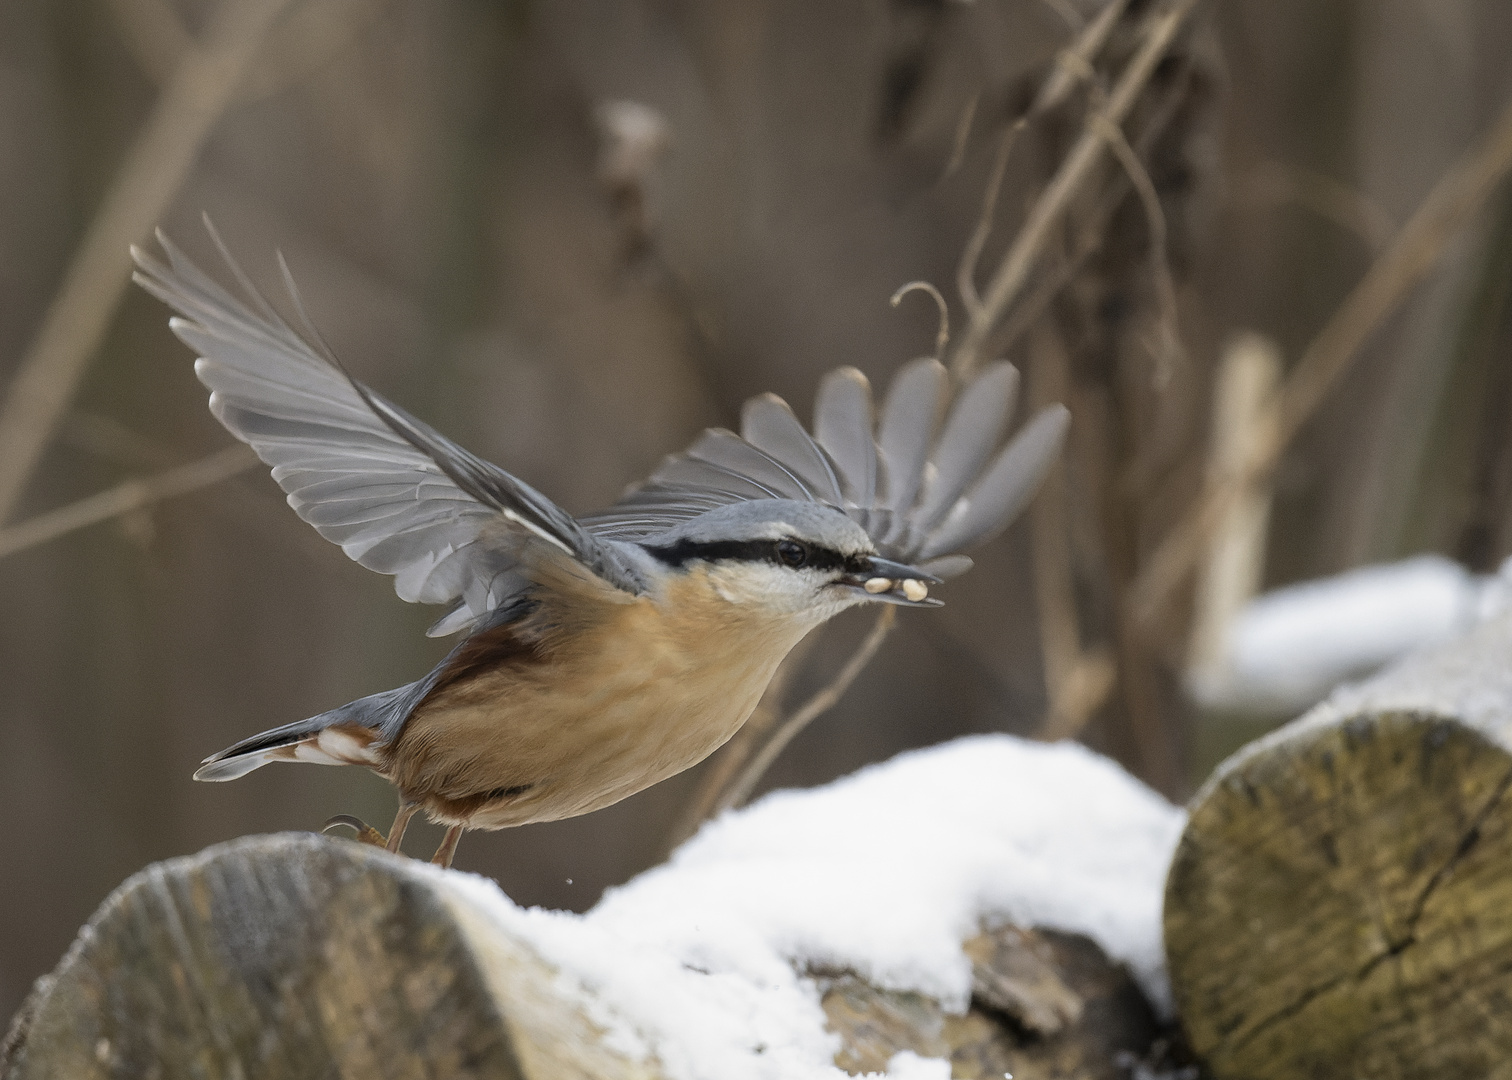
(366, 834)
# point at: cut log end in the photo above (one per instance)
(1338, 905)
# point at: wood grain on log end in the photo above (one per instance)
(297, 956)
(1045, 1006)
(1339, 903)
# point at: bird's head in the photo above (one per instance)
(794, 558)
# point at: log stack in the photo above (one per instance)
(1340, 904)
(297, 956)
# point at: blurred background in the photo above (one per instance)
(571, 235)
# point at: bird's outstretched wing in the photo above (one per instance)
(396, 495)
(922, 497)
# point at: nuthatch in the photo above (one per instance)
(605, 653)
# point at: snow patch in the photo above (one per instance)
(703, 962)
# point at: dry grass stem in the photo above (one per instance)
(972, 253)
(1170, 355)
(1457, 196)
(1074, 65)
(740, 789)
(962, 136)
(942, 335)
(151, 175)
(1077, 681)
(125, 498)
(1080, 163)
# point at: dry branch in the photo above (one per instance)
(1079, 166)
(96, 279)
(125, 498)
(1458, 195)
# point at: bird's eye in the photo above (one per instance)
(792, 553)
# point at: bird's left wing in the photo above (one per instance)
(396, 495)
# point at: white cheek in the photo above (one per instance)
(774, 589)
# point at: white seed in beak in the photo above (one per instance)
(915, 589)
(878, 584)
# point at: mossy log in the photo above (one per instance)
(1340, 904)
(302, 956)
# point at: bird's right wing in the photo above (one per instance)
(921, 496)
(396, 495)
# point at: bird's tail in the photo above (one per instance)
(350, 735)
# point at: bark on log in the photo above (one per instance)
(1340, 904)
(302, 956)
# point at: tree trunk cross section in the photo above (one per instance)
(1341, 901)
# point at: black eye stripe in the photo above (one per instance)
(818, 558)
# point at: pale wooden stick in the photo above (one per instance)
(1244, 406)
(154, 169)
(1457, 196)
(124, 498)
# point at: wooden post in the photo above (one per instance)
(1340, 904)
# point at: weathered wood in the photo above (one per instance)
(302, 956)
(1045, 1006)
(1340, 904)
(299, 956)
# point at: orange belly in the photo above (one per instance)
(648, 690)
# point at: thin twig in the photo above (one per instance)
(154, 169)
(942, 334)
(962, 135)
(1074, 65)
(740, 789)
(1013, 271)
(125, 498)
(1169, 353)
(972, 253)
(1458, 195)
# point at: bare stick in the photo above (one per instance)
(1008, 281)
(124, 498)
(1458, 195)
(151, 175)
(740, 790)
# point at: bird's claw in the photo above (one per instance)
(366, 834)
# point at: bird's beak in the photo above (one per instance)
(894, 583)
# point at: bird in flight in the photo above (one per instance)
(605, 653)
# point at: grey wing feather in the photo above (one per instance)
(971, 433)
(768, 424)
(1004, 488)
(844, 426)
(907, 430)
(398, 497)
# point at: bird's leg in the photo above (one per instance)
(407, 810)
(448, 849)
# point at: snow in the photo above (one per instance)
(1288, 648)
(704, 962)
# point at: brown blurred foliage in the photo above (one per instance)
(571, 235)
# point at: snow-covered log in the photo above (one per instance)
(870, 925)
(1340, 904)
